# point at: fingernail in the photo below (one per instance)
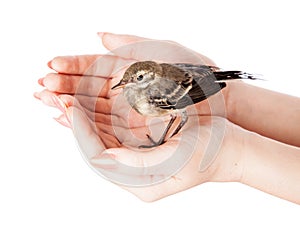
(100, 34)
(37, 95)
(41, 82)
(63, 121)
(105, 161)
(50, 64)
(59, 103)
(107, 156)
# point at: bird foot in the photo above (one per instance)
(154, 143)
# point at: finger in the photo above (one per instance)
(88, 141)
(136, 173)
(72, 64)
(146, 158)
(53, 99)
(84, 85)
(84, 129)
(62, 102)
(46, 96)
(101, 125)
(96, 104)
(105, 131)
(161, 51)
(99, 110)
(127, 46)
(63, 120)
(112, 110)
(95, 65)
(109, 140)
(112, 41)
(140, 48)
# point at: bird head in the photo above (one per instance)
(140, 74)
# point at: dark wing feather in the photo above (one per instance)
(204, 81)
(219, 75)
(201, 90)
(204, 84)
(199, 80)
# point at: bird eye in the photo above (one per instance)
(140, 77)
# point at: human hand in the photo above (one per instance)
(92, 76)
(107, 129)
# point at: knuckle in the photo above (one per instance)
(88, 86)
(65, 84)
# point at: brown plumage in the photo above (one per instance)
(154, 89)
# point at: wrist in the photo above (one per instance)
(231, 92)
(272, 167)
(229, 164)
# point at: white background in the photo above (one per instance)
(43, 177)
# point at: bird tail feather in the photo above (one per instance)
(230, 75)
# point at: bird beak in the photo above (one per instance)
(121, 84)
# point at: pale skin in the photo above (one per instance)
(260, 147)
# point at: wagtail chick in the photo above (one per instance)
(159, 89)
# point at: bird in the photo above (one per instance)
(159, 89)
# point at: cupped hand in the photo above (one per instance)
(89, 79)
(108, 130)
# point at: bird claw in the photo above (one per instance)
(151, 139)
(154, 143)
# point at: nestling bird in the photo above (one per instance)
(158, 89)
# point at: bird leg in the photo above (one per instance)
(184, 119)
(162, 138)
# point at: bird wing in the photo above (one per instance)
(203, 84)
(202, 88)
(199, 70)
(183, 84)
(165, 93)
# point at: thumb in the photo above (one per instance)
(112, 41)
